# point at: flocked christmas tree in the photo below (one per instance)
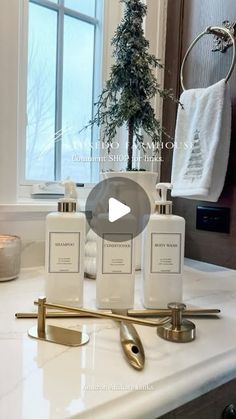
(195, 162)
(125, 99)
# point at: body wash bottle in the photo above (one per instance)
(163, 254)
(64, 258)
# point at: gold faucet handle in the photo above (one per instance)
(177, 329)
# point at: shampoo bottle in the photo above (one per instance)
(163, 254)
(64, 258)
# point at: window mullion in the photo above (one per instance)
(46, 3)
(59, 94)
(97, 83)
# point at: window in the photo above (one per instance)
(64, 52)
(14, 188)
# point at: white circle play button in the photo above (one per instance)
(117, 210)
(117, 205)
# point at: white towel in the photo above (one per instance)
(202, 142)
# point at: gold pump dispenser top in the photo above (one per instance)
(68, 203)
(162, 205)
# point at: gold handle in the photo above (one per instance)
(52, 315)
(161, 312)
(198, 312)
(95, 313)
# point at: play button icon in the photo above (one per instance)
(117, 210)
(117, 206)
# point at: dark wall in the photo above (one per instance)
(186, 19)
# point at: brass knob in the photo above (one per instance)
(229, 412)
(177, 329)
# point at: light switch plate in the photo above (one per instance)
(213, 219)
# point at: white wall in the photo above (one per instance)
(9, 26)
(30, 227)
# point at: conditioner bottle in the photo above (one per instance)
(116, 266)
(163, 253)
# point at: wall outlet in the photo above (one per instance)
(213, 219)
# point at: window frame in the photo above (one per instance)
(96, 21)
(15, 190)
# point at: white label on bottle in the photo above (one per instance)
(64, 252)
(166, 253)
(117, 255)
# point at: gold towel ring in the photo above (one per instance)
(209, 31)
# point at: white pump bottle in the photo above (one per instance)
(115, 266)
(163, 253)
(64, 258)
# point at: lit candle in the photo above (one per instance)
(10, 253)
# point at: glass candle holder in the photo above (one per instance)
(10, 256)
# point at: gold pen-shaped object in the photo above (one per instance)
(131, 343)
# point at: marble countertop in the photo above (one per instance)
(49, 381)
